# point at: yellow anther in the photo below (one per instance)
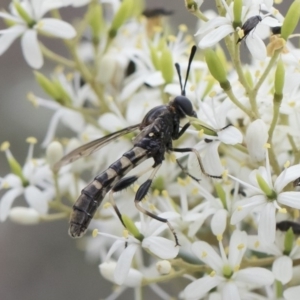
(287, 164)
(152, 207)
(157, 29)
(241, 246)
(31, 140)
(219, 237)
(135, 187)
(223, 162)
(212, 273)
(298, 242)
(4, 146)
(34, 162)
(146, 104)
(5, 185)
(204, 254)
(275, 11)
(183, 28)
(155, 193)
(95, 233)
(180, 181)
(292, 103)
(225, 175)
(32, 99)
(296, 213)
(39, 25)
(125, 233)
(236, 268)
(267, 145)
(282, 210)
(195, 191)
(201, 133)
(173, 158)
(240, 33)
(59, 69)
(257, 73)
(256, 244)
(165, 193)
(212, 94)
(239, 208)
(107, 205)
(172, 38)
(70, 76)
(192, 88)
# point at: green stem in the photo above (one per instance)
(273, 161)
(56, 57)
(279, 289)
(54, 217)
(296, 151)
(172, 275)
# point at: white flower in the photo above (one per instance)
(292, 293)
(218, 28)
(226, 275)
(33, 181)
(27, 20)
(266, 205)
(159, 246)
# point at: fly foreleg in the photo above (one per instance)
(141, 193)
(182, 150)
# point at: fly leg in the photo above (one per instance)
(121, 185)
(183, 169)
(182, 150)
(141, 193)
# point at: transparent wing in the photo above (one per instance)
(91, 147)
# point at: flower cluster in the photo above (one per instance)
(222, 212)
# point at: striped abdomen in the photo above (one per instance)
(92, 195)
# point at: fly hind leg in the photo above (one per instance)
(141, 193)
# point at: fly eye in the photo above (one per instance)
(185, 105)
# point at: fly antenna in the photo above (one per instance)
(193, 51)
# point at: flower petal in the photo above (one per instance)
(256, 276)
(8, 36)
(36, 199)
(124, 264)
(230, 291)
(230, 135)
(244, 207)
(215, 36)
(56, 28)
(31, 49)
(288, 175)
(212, 24)
(161, 247)
(267, 224)
(290, 199)
(256, 46)
(292, 293)
(218, 222)
(208, 255)
(7, 201)
(237, 247)
(283, 269)
(198, 288)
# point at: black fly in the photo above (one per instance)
(249, 25)
(157, 130)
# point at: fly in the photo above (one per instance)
(248, 26)
(158, 129)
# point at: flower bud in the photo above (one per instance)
(291, 20)
(166, 65)
(23, 14)
(221, 193)
(289, 241)
(154, 57)
(237, 12)
(24, 215)
(264, 186)
(54, 153)
(216, 68)
(130, 226)
(163, 267)
(121, 16)
(95, 20)
(109, 64)
(46, 85)
(279, 78)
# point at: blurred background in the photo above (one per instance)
(42, 262)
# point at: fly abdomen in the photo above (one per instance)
(92, 195)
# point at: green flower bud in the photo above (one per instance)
(63, 97)
(221, 193)
(291, 20)
(201, 126)
(46, 85)
(237, 12)
(216, 68)
(166, 65)
(23, 14)
(15, 167)
(288, 241)
(249, 78)
(154, 57)
(265, 187)
(279, 78)
(122, 15)
(95, 21)
(130, 226)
